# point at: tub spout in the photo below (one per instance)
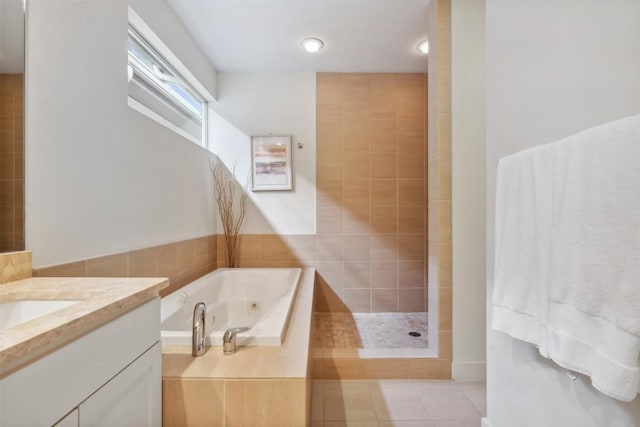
(229, 339)
(197, 339)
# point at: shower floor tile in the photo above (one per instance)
(369, 330)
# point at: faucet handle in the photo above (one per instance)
(229, 339)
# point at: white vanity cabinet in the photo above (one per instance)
(110, 376)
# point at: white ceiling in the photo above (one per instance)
(266, 35)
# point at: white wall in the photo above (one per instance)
(468, 189)
(102, 178)
(553, 69)
(251, 104)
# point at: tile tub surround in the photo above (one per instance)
(181, 262)
(371, 195)
(15, 266)
(99, 301)
(275, 380)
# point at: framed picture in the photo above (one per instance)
(271, 163)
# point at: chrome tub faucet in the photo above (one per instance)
(197, 339)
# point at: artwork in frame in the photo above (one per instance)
(271, 163)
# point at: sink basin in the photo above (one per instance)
(13, 313)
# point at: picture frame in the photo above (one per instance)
(271, 168)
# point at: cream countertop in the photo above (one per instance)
(99, 301)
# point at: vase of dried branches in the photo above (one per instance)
(232, 208)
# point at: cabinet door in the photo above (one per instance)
(131, 398)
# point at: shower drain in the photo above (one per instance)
(415, 334)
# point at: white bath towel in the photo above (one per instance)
(567, 272)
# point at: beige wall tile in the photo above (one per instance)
(108, 266)
(444, 265)
(412, 299)
(200, 252)
(329, 193)
(329, 219)
(384, 274)
(384, 192)
(356, 247)
(328, 299)
(168, 261)
(411, 219)
(250, 247)
(355, 131)
(384, 300)
(212, 250)
(73, 269)
(185, 258)
(444, 345)
(411, 274)
(444, 303)
(302, 246)
(384, 247)
(384, 219)
(332, 272)
(274, 248)
(444, 222)
(143, 262)
(356, 220)
(357, 300)
(329, 88)
(357, 193)
(384, 164)
(430, 369)
(329, 165)
(357, 165)
(193, 402)
(411, 192)
(383, 130)
(411, 164)
(329, 247)
(357, 274)
(411, 247)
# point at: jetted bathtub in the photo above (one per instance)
(259, 298)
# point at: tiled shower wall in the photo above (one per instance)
(11, 162)
(371, 197)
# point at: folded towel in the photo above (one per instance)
(567, 272)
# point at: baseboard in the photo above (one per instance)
(485, 422)
(469, 371)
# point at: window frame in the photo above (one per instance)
(156, 49)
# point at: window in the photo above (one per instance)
(159, 91)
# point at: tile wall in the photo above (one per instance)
(371, 192)
(11, 162)
(182, 262)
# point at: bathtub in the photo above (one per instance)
(260, 298)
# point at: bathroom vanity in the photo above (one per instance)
(93, 358)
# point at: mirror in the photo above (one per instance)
(12, 66)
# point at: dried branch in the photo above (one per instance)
(231, 211)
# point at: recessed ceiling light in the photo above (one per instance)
(312, 44)
(423, 47)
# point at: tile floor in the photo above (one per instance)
(397, 403)
(369, 330)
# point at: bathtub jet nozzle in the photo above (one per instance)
(197, 339)
(229, 339)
